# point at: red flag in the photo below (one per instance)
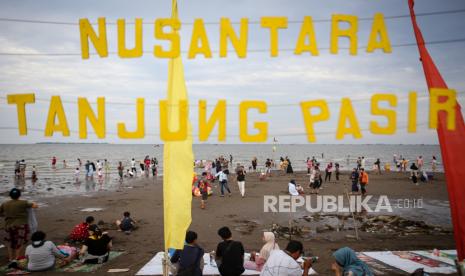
(451, 142)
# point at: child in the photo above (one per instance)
(300, 189)
(203, 187)
(34, 174)
(76, 173)
(100, 174)
(129, 173)
(127, 224)
(79, 232)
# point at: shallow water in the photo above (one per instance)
(61, 181)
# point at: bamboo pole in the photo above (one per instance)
(352, 213)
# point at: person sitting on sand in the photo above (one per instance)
(229, 254)
(347, 263)
(257, 261)
(127, 224)
(300, 189)
(96, 248)
(284, 262)
(129, 173)
(292, 188)
(190, 259)
(80, 232)
(41, 254)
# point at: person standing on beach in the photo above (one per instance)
(16, 169)
(363, 181)
(328, 171)
(17, 228)
(34, 174)
(223, 179)
(133, 166)
(354, 176)
(309, 165)
(203, 186)
(362, 163)
(420, 162)
(107, 166)
(54, 162)
(240, 172)
(268, 167)
(231, 160)
(289, 166)
(87, 167)
(378, 166)
(254, 163)
(120, 171)
(79, 162)
(434, 164)
(337, 171)
(22, 169)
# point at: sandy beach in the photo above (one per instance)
(245, 216)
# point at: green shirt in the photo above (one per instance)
(15, 212)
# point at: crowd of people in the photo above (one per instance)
(42, 254)
(95, 244)
(270, 260)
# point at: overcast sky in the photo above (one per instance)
(287, 79)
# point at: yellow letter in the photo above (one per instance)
(100, 43)
(122, 50)
(172, 36)
(218, 116)
(56, 109)
(239, 44)
(351, 33)
(199, 33)
(390, 115)
(307, 31)
(347, 112)
(170, 135)
(274, 23)
(262, 127)
(85, 112)
(442, 99)
(412, 112)
(310, 119)
(140, 131)
(21, 100)
(379, 27)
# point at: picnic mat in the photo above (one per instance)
(155, 267)
(74, 266)
(406, 262)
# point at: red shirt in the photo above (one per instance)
(80, 232)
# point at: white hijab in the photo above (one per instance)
(270, 244)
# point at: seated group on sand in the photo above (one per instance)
(269, 261)
(42, 254)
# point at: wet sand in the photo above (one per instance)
(245, 216)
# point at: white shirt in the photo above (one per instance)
(281, 264)
(293, 190)
(221, 176)
(133, 164)
(363, 163)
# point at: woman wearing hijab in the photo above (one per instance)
(257, 261)
(347, 264)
